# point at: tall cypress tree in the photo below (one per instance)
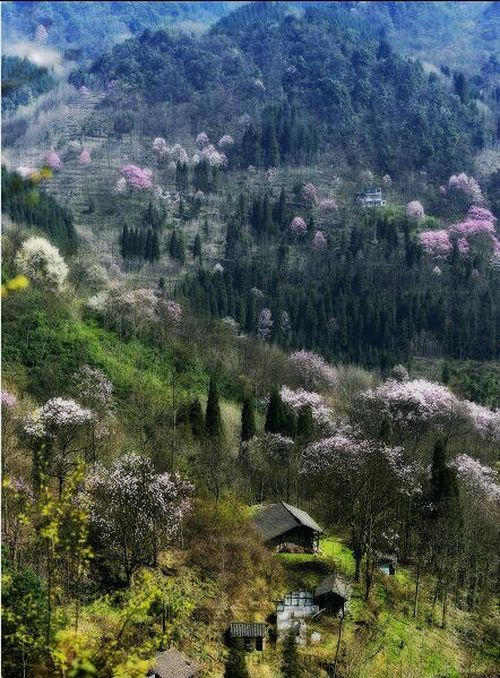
(124, 242)
(247, 420)
(213, 417)
(275, 415)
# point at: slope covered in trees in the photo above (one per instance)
(367, 103)
(22, 82)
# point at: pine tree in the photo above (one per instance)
(196, 419)
(247, 420)
(213, 417)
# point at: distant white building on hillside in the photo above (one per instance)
(372, 197)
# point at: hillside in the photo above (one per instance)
(250, 341)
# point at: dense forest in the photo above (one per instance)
(250, 341)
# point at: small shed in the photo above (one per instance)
(252, 634)
(174, 664)
(333, 594)
(282, 525)
(295, 606)
(372, 197)
(387, 563)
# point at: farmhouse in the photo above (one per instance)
(282, 525)
(294, 607)
(371, 198)
(252, 634)
(174, 664)
(333, 594)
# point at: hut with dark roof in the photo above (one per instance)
(282, 525)
(251, 634)
(333, 594)
(174, 664)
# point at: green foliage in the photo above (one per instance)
(28, 204)
(235, 663)
(22, 81)
(247, 420)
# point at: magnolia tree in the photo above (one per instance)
(56, 433)
(202, 139)
(226, 141)
(309, 193)
(436, 243)
(465, 189)
(363, 482)
(160, 147)
(319, 241)
(84, 158)
(314, 371)
(136, 512)
(41, 262)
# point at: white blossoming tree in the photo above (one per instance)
(42, 263)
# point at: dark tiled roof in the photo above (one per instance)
(247, 630)
(278, 519)
(174, 664)
(334, 583)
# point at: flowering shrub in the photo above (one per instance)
(41, 262)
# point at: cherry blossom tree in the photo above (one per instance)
(415, 211)
(84, 158)
(41, 263)
(315, 372)
(265, 324)
(319, 241)
(436, 243)
(136, 512)
(140, 179)
(328, 205)
(53, 160)
(309, 193)
(55, 432)
(298, 226)
(298, 399)
(202, 139)
(41, 34)
(160, 147)
(226, 141)
(362, 481)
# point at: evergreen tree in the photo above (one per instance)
(197, 249)
(196, 419)
(155, 247)
(275, 415)
(290, 666)
(124, 243)
(247, 420)
(213, 417)
(235, 663)
(445, 374)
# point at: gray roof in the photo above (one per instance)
(174, 664)
(277, 519)
(247, 630)
(334, 583)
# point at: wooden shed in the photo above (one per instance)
(174, 664)
(253, 635)
(282, 525)
(333, 594)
